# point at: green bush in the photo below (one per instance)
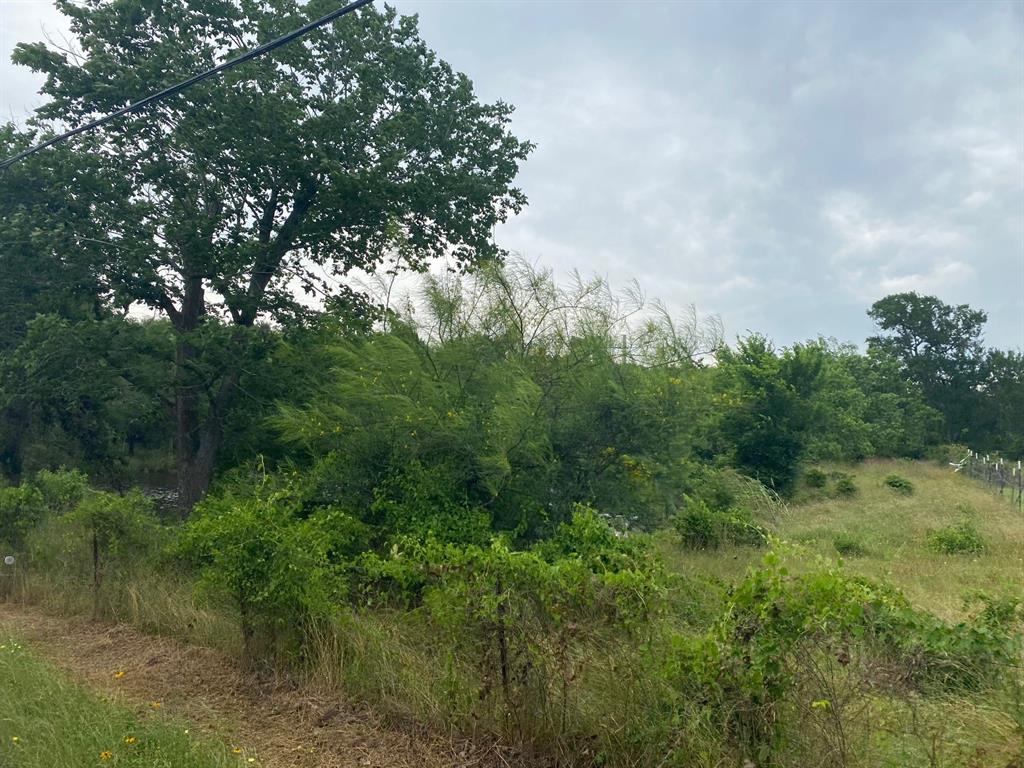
(525, 618)
(899, 484)
(48, 493)
(62, 489)
(748, 666)
(270, 563)
(815, 478)
(21, 509)
(848, 546)
(962, 538)
(103, 537)
(843, 486)
(701, 527)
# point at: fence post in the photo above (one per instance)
(1020, 486)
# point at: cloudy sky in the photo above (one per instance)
(780, 164)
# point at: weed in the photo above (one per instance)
(844, 486)
(848, 546)
(815, 478)
(960, 539)
(899, 484)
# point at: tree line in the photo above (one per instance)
(357, 148)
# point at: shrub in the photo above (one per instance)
(815, 478)
(844, 485)
(701, 527)
(899, 484)
(848, 546)
(117, 530)
(268, 561)
(21, 509)
(62, 489)
(779, 631)
(525, 618)
(962, 538)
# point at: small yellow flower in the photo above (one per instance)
(186, 731)
(155, 704)
(118, 675)
(236, 751)
(252, 759)
(106, 754)
(129, 740)
(15, 739)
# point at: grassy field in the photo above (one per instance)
(894, 531)
(48, 722)
(892, 537)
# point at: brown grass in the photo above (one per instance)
(285, 725)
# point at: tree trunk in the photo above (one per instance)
(198, 438)
(15, 425)
(194, 474)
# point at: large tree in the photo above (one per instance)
(352, 146)
(939, 347)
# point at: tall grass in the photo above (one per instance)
(47, 722)
(618, 704)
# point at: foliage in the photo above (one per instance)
(778, 629)
(21, 509)
(506, 400)
(763, 421)
(702, 527)
(100, 385)
(843, 485)
(524, 618)
(899, 484)
(62, 490)
(961, 538)
(370, 149)
(815, 478)
(271, 565)
(848, 546)
(939, 347)
(102, 537)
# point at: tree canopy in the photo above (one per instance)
(352, 146)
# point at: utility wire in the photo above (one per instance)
(259, 51)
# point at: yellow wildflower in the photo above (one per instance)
(129, 740)
(155, 704)
(236, 751)
(118, 675)
(15, 739)
(106, 754)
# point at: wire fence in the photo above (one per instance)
(1006, 478)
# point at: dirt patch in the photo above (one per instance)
(281, 724)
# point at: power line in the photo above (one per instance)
(258, 51)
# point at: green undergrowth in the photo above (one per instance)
(593, 647)
(48, 722)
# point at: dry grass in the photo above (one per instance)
(279, 723)
(894, 528)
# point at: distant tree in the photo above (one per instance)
(1004, 386)
(764, 415)
(48, 240)
(346, 148)
(940, 348)
(101, 385)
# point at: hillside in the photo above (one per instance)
(892, 531)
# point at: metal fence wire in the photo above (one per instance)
(1006, 478)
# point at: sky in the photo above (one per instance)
(781, 165)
